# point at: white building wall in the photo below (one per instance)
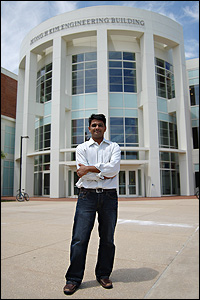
(19, 122)
(102, 73)
(58, 118)
(149, 104)
(183, 122)
(192, 65)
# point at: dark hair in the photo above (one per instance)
(99, 117)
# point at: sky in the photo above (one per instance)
(19, 17)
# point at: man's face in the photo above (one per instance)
(97, 129)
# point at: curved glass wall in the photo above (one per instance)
(84, 73)
(80, 132)
(84, 97)
(167, 128)
(82, 107)
(122, 72)
(123, 108)
(169, 173)
(194, 102)
(42, 175)
(43, 132)
(44, 84)
(164, 79)
(124, 131)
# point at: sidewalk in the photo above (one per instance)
(9, 198)
(157, 250)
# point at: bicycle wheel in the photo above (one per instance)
(19, 197)
(26, 196)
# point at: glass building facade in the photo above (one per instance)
(193, 79)
(8, 164)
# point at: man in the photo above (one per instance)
(98, 163)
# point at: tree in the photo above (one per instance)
(3, 155)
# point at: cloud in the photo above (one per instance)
(192, 11)
(18, 18)
(160, 7)
(191, 49)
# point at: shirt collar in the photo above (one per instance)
(91, 142)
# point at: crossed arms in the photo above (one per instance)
(98, 171)
(83, 170)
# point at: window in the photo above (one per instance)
(194, 101)
(169, 170)
(43, 137)
(124, 131)
(80, 132)
(168, 135)
(129, 155)
(122, 72)
(9, 144)
(42, 163)
(122, 183)
(84, 73)
(195, 135)
(41, 178)
(44, 84)
(164, 79)
(194, 95)
(8, 178)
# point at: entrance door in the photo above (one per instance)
(122, 183)
(127, 183)
(46, 184)
(132, 183)
(76, 178)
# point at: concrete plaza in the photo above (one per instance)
(157, 251)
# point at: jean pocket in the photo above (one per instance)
(112, 195)
(82, 195)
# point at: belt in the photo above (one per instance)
(98, 190)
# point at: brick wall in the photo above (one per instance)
(8, 96)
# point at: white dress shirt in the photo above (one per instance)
(105, 157)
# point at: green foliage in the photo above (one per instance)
(3, 155)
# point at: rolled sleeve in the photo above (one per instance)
(80, 157)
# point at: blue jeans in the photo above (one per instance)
(106, 205)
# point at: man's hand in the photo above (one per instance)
(83, 170)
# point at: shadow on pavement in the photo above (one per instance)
(134, 275)
(125, 275)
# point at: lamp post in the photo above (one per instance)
(20, 174)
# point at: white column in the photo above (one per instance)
(58, 118)
(102, 74)
(26, 127)
(149, 104)
(183, 122)
(19, 125)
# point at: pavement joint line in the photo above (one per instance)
(34, 249)
(167, 267)
(152, 223)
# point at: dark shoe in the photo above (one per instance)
(105, 282)
(70, 288)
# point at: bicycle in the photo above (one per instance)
(197, 192)
(22, 196)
